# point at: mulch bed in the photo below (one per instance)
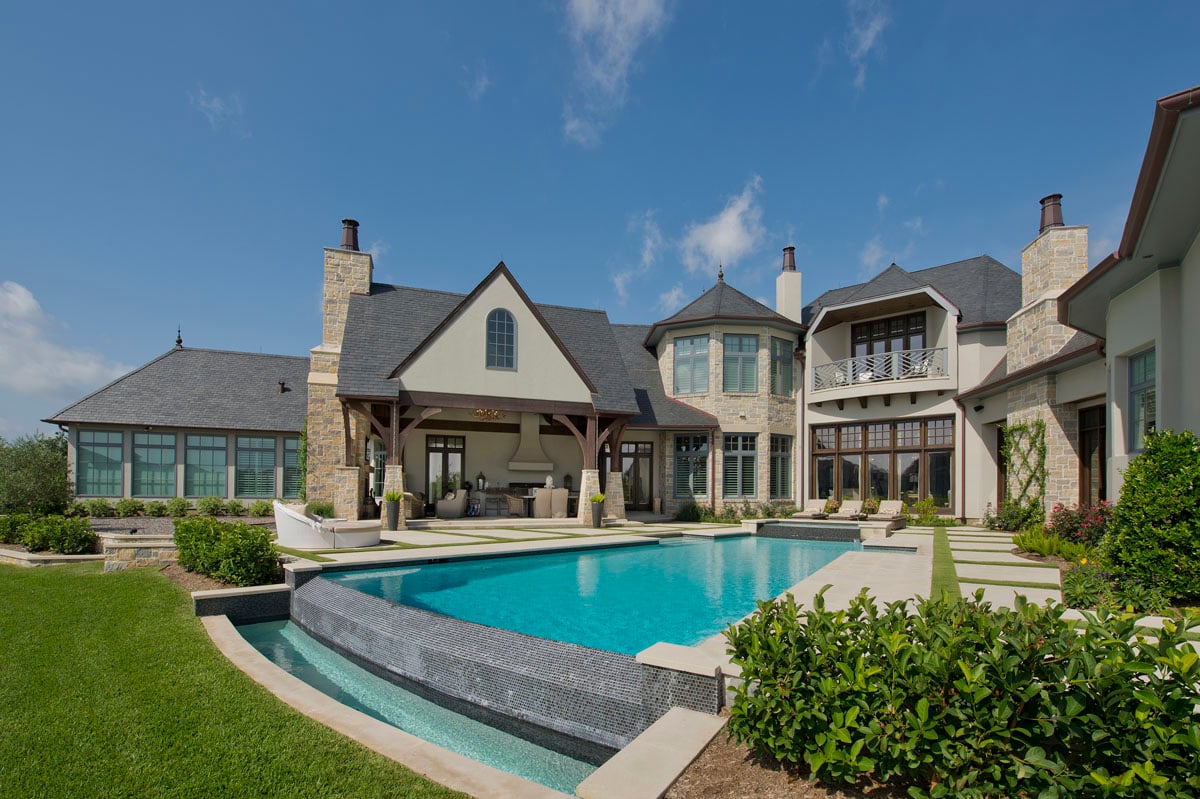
(725, 770)
(191, 581)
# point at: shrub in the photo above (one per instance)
(688, 512)
(12, 527)
(234, 552)
(960, 700)
(1088, 585)
(749, 511)
(129, 507)
(323, 509)
(924, 513)
(33, 475)
(156, 508)
(780, 509)
(59, 534)
(100, 508)
(77, 509)
(210, 506)
(832, 505)
(870, 505)
(1083, 525)
(262, 507)
(234, 507)
(1051, 546)
(178, 507)
(1155, 530)
(1014, 517)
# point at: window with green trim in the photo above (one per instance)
(98, 457)
(741, 466)
(691, 365)
(293, 479)
(691, 466)
(204, 466)
(781, 467)
(254, 475)
(153, 464)
(1143, 406)
(741, 364)
(781, 366)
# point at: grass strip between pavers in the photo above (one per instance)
(945, 578)
(113, 688)
(1014, 584)
(970, 549)
(303, 553)
(1003, 563)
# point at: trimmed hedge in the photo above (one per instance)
(178, 507)
(210, 506)
(1155, 531)
(234, 552)
(958, 700)
(12, 527)
(262, 508)
(130, 507)
(66, 536)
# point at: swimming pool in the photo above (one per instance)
(622, 599)
(290, 648)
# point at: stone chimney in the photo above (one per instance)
(787, 288)
(347, 271)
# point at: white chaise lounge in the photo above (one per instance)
(300, 531)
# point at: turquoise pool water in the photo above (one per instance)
(293, 650)
(624, 599)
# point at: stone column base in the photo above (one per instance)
(348, 486)
(614, 496)
(589, 484)
(393, 480)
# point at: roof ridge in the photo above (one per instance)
(233, 352)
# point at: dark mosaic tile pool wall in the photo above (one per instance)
(810, 532)
(603, 699)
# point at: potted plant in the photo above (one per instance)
(597, 501)
(870, 505)
(391, 504)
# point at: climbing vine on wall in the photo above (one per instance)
(1025, 453)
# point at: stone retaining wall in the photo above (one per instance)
(134, 551)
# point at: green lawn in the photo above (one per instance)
(110, 687)
(945, 578)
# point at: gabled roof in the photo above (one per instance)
(208, 389)
(385, 328)
(721, 302)
(655, 408)
(982, 288)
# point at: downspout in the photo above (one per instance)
(712, 470)
(801, 438)
(962, 460)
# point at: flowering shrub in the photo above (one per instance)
(1080, 524)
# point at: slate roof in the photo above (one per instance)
(723, 301)
(1080, 345)
(655, 408)
(982, 288)
(384, 327)
(196, 388)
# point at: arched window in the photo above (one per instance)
(501, 340)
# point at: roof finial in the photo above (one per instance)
(720, 273)
(178, 338)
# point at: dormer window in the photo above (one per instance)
(501, 340)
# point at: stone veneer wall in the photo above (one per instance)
(762, 413)
(346, 272)
(1036, 399)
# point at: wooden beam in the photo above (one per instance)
(589, 454)
(365, 410)
(402, 436)
(887, 400)
(615, 432)
(841, 404)
(349, 441)
(862, 401)
(567, 423)
(912, 398)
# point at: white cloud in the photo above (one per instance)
(378, 249)
(224, 114)
(31, 362)
(875, 256)
(606, 36)
(868, 19)
(477, 81)
(651, 245)
(882, 202)
(672, 299)
(727, 237)
(916, 224)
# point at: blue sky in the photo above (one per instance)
(173, 165)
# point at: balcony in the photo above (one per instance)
(884, 367)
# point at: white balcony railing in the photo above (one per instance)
(901, 365)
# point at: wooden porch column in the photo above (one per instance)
(348, 459)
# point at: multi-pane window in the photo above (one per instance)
(501, 340)
(781, 366)
(906, 460)
(1142, 401)
(98, 463)
(741, 364)
(781, 467)
(889, 335)
(204, 466)
(293, 478)
(691, 466)
(254, 475)
(691, 365)
(153, 464)
(445, 457)
(741, 466)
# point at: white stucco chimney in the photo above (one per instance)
(787, 288)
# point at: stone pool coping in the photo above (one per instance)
(444, 767)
